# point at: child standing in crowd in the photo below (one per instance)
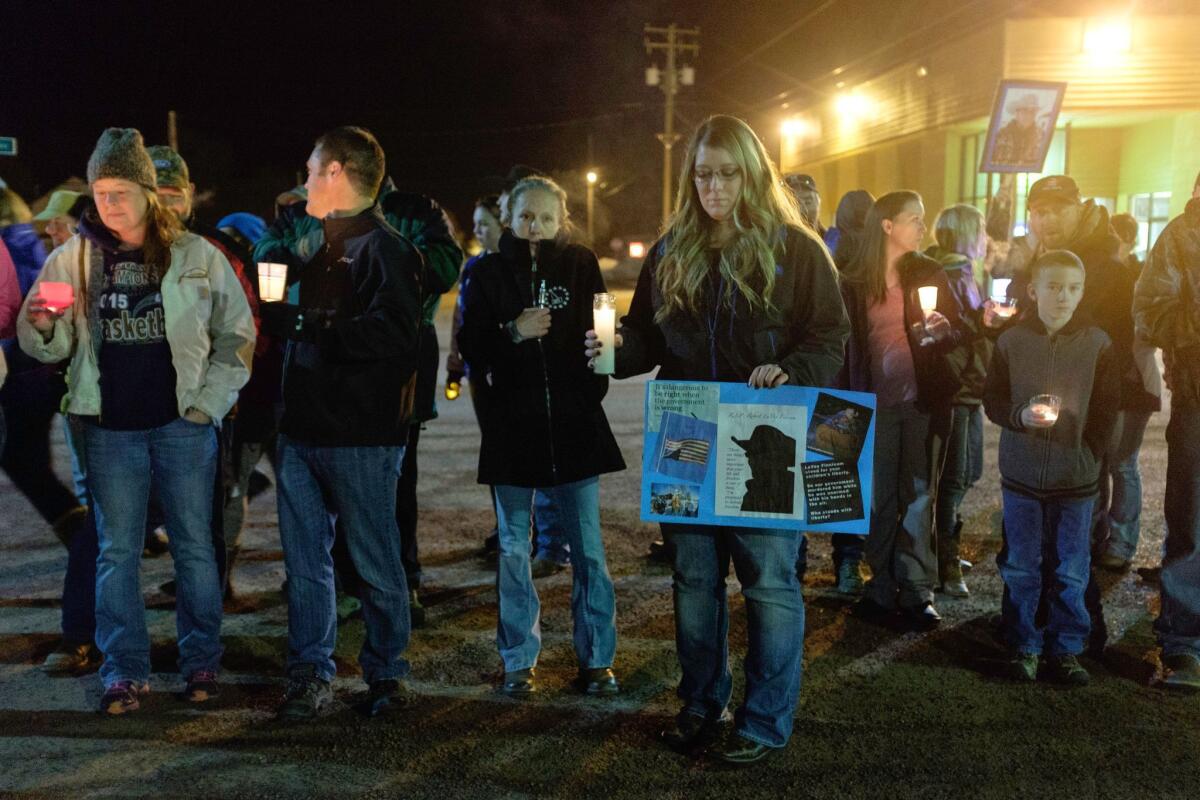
(1054, 388)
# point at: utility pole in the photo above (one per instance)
(172, 132)
(675, 42)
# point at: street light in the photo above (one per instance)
(592, 177)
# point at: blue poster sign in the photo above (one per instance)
(725, 454)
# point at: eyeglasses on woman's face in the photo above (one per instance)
(726, 174)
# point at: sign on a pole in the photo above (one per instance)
(8, 145)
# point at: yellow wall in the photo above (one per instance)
(1147, 158)
(915, 162)
(1187, 159)
(1094, 160)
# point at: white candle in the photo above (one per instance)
(272, 281)
(604, 320)
(1043, 411)
(928, 297)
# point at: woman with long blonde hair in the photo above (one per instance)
(737, 289)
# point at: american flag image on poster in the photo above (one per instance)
(685, 445)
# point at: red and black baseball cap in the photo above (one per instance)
(1054, 189)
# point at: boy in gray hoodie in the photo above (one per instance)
(1053, 387)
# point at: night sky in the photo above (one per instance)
(456, 91)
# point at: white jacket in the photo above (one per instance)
(209, 326)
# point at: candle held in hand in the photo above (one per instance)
(1045, 407)
(604, 320)
(272, 281)
(58, 296)
(928, 297)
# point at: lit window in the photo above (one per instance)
(1153, 212)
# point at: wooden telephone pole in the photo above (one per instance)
(674, 42)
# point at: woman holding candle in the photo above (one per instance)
(159, 337)
(738, 289)
(544, 430)
(904, 319)
(962, 240)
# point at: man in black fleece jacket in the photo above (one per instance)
(348, 385)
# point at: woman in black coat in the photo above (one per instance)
(544, 430)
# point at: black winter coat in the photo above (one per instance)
(543, 425)
(937, 384)
(805, 335)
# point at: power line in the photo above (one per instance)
(804, 18)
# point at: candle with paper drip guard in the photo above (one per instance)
(58, 296)
(272, 281)
(1045, 407)
(604, 321)
(1001, 304)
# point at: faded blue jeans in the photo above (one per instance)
(182, 456)
(765, 562)
(1178, 623)
(593, 602)
(1061, 531)
(1124, 501)
(356, 486)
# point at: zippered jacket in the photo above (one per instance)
(1167, 302)
(209, 326)
(1078, 365)
(937, 382)
(804, 335)
(969, 361)
(543, 424)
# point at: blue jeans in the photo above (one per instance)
(182, 456)
(593, 602)
(1178, 623)
(1060, 530)
(357, 487)
(765, 562)
(550, 543)
(1124, 506)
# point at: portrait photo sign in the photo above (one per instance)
(1022, 125)
(725, 454)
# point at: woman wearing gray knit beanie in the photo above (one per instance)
(159, 336)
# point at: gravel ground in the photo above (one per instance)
(883, 712)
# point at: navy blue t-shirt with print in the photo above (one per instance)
(137, 378)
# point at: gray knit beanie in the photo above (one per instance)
(121, 153)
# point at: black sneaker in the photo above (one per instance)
(598, 682)
(692, 733)
(519, 682)
(383, 696)
(156, 543)
(122, 697)
(201, 686)
(735, 750)
(306, 696)
(1067, 670)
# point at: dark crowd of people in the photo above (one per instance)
(177, 369)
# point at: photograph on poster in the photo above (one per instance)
(838, 427)
(684, 446)
(1022, 125)
(675, 499)
(758, 448)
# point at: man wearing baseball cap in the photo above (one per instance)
(177, 193)
(804, 188)
(1018, 142)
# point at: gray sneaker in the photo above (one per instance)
(849, 579)
(1181, 672)
(1067, 670)
(306, 697)
(1023, 667)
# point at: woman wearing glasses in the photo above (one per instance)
(738, 289)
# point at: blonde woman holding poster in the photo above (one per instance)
(737, 289)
